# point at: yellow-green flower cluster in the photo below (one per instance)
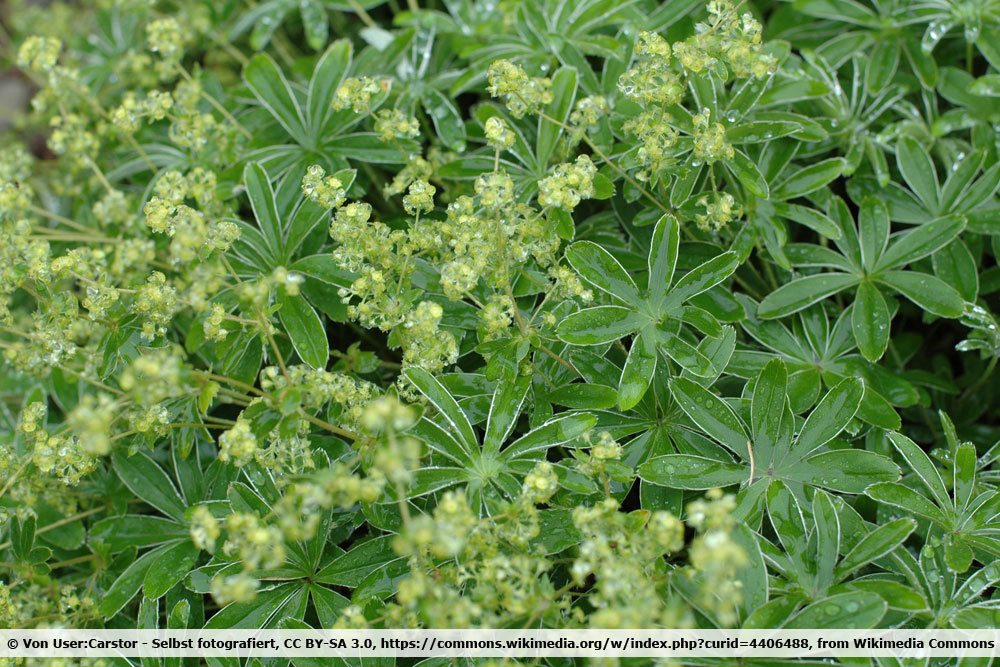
(212, 326)
(586, 114)
(495, 190)
(70, 136)
(393, 124)
(39, 54)
(710, 143)
(193, 236)
(651, 79)
(55, 455)
(204, 528)
(313, 388)
(167, 39)
(239, 587)
(622, 551)
(657, 140)
(520, 93)
(154, 376)
(327, 191)
(355, 93)
(255, 544)
(568, 185)
(425, 343)
(720, 209)
(729, 39)
(91, 421)
(128, 115)
(541, 483)
(387, 414)
(156, 303)
(238, 445)
(498, 133)
(715, 556)
(416, 169)
(419, 197)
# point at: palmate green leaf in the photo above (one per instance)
(955, 265)
(330, 71)
(844, 470)
(261, 195)
(168, 569)
(564, 83)
(809, 179)
(640, 365)
(927, 291)
(584, 396)
(268, 83)
(134, 530)
(826, 538)
(873, 232)
(443, 401)
(846, 610)
(447, 119)
(770, 416)
(599, 268)
(870, 320)
(305, 329)
(802, 293)
(918, 171)
(811, 218)
(908, 500)
(788, 520)
(600, 324)
(352, 567)
(770, 452)
(662, 258)
(964, 475)
(130, 581)
(747, 173)
(711, 414)
(686, 355)
(830, 416)
(882, 64)
(921, 242)
(22, 537)
(848, 11)
(552, 433)
(504, 410)
(683, 471)
(701, 279)
(852, 237)
(875, 545)
(149, 482)
(923, 467)
(266, 610)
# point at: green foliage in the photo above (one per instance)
(567, 313)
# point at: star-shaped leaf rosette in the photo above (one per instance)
(659, 319)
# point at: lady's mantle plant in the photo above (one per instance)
(568, 313)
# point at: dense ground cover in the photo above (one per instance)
(564, 313)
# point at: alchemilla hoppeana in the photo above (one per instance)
(516, 314)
